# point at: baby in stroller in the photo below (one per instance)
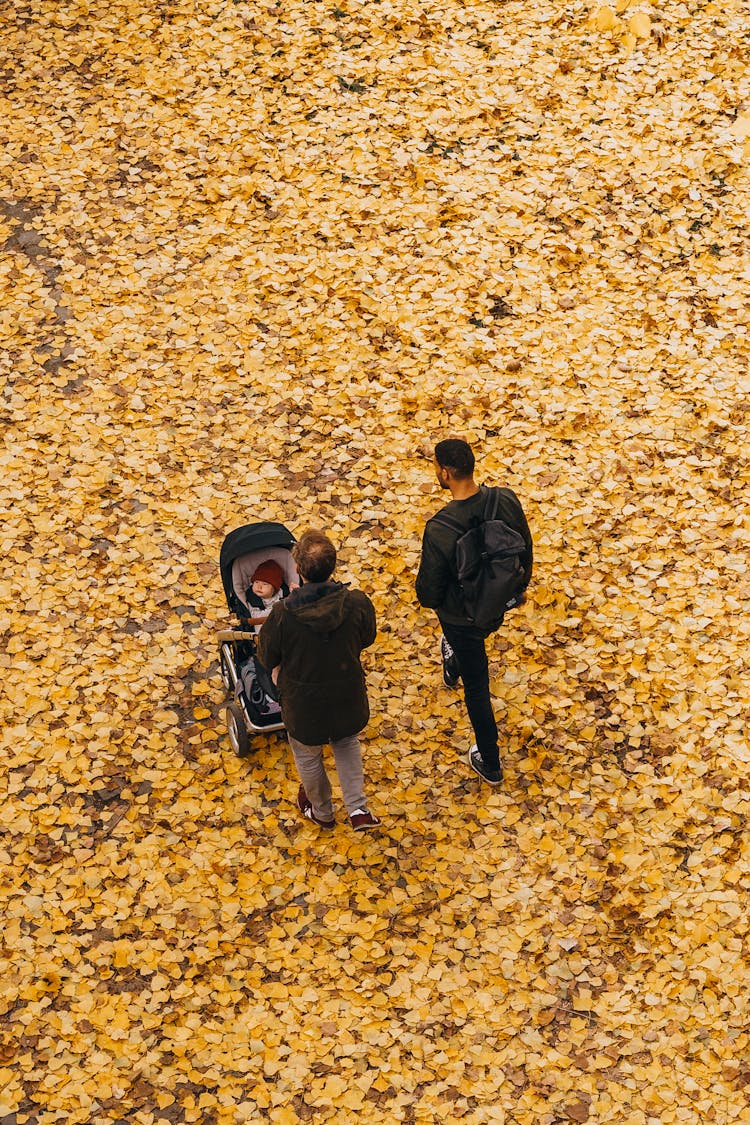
(257, 570)
(267, 587)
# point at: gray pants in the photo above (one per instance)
(347, 754)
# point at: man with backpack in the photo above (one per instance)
(476, 564)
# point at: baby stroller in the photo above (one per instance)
(255, 703)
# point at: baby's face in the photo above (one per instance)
(263, 589)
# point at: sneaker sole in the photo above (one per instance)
(320, 823)
(483, 776)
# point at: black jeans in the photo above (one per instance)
(471, 656)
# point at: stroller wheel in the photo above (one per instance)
(226, 679)
(237, 730)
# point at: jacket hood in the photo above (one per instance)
(320, 605)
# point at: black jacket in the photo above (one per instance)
(317, 635)
(437, 587)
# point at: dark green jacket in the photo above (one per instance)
(437, 587)
(317, 635)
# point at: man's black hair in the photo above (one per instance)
(455, 454)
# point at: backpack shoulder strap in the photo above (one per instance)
(448, 521)
(492, 505)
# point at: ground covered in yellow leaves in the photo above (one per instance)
(257, 258)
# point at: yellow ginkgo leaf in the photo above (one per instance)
(605, 19)
(639, 25)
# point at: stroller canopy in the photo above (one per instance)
(249, 540)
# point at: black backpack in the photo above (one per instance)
(488, 565)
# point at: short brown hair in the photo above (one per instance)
(315, 556)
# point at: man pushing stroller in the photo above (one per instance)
(314, 638)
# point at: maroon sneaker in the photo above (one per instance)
(305, 807)
(362, 819)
